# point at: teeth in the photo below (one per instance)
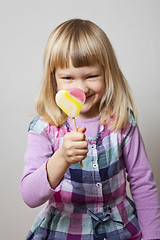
(88, 96)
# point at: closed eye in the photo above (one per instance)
(92, 76)
(67, 78)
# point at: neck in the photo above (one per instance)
(91, 114)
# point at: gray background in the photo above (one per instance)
(133, 26)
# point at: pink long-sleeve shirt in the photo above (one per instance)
(36, 190)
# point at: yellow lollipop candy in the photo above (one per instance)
(71, 103)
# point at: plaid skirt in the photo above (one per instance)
(55, 224)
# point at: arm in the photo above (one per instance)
(73, 150)
(43, 169)
(34, 186)
(142, 185)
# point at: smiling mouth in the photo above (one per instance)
(88, 97)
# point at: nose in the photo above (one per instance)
(82, 85)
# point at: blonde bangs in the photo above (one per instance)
(76, 44)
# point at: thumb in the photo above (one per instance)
(82, 129)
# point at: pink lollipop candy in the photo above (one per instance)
(71, 103)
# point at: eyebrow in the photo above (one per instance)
(67, 71)
(62, 72)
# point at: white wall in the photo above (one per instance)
(133, 28)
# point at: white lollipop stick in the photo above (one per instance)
(71, 103)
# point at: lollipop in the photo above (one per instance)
(71, 103)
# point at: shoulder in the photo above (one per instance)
(129, 130)
(37, 125)
(131, 119)
(45, 129)
(131, 123)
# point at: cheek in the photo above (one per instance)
(64, 85)
(60, 85)
(100, 88)
(57, 83)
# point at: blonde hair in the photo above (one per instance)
(84, 43)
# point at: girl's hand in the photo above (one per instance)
(73, 150)
(75, 147)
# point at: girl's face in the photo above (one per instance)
(90, 79)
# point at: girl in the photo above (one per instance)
(90, 202)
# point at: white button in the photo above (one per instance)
(95, 165)
(98, 185)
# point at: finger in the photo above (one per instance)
(76, 156)
(80, 145)
(77, 136)
(80, 152)
(72, 146)
(77, 159)
(82, 129)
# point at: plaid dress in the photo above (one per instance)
(90, 203)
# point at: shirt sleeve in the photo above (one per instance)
(34, 187)
(143, 187)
